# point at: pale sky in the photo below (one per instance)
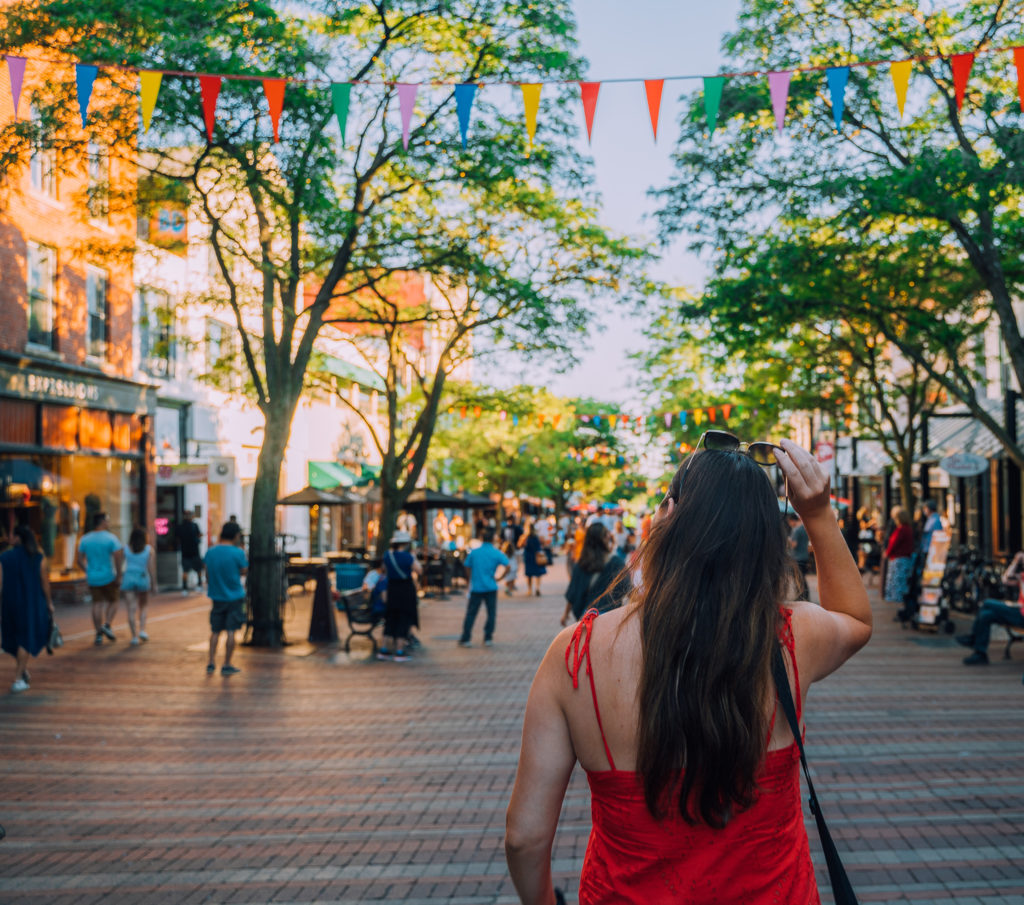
(638, 39)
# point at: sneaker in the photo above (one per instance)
(99, 639)
(401, 656)
(978, 658)
(465, 644)
(383, 654)
(488, 643)
(143, 636)
(25, 677)
(965, 640)
(229, 670)
(134, 642)
(19, 686)
(108, 631)
(210, 669)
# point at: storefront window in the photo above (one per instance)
(42, 298)
(96, 297)
(58, 495)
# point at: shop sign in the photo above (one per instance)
(24, 383)
(182, 474)
(168, 226)
(824, 452)
(964, 465)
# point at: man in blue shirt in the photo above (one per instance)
(932, 523)
(483, 586)
(225, 566)
(101, 557)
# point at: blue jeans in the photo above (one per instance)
(994, 612)
(490, 600)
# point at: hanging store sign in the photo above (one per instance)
(964, 465)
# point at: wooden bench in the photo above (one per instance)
(362, 620)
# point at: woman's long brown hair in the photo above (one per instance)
(714, 574)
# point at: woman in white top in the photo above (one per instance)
(139, 577)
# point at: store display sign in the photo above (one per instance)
(168, 226)
(181, 474)
(964, 465)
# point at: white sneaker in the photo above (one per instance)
(19, 685)
(134, 642)
(143, 636)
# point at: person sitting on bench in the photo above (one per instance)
(995, 612)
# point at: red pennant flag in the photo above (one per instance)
(209, 87)
(962, 63)
(1018, 60)
(653, 88)
(589, 92)
(274, 90)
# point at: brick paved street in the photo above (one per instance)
(129, 776)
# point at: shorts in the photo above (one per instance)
(192, 564)
(135, 582)
(227, 615)
(104, 593)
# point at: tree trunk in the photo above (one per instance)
(388, 519)
(265, 565)
(906, 467)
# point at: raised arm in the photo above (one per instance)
(842, 624)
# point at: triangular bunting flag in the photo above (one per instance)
(668, 419)
(274, 90)
(340, 93)
(406, 103)
(464, 95)
(712, 99)
(554, 421)
(149, 88)
(1018, 61)
(209, 88)
(837, 78)
(531, 101)
(711, 414)
(84, 77)
(962, 64)
(900, 72)
(778, 88)
(682, 418)
(698, 416)
(588, 93)
(612, 419)
(16, 70)
(726, 410)
(653, 88)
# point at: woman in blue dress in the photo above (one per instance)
(531, 545)
(25, 605)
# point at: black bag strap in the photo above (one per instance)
(841, 888)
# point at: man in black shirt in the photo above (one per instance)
(188, 544)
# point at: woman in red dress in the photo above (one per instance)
(668, 703)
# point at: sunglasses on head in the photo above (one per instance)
(761, 451)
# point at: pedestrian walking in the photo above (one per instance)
(101, 557)
(535, 560)
(669, 702)
(487, 566)
(599, 578)
(402, 611)
(799, 544)
(226, 564)
(899, 555)
(26, 608)
(189, 535)
(139, 579)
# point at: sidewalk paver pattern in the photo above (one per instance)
(129, 776)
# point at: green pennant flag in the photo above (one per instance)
(712, 98)
(340, 92)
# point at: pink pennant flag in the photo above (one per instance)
(778, 87)
(274, 90)
(653, 88)
(209, 88)
(406, 102)
(668, 419)
(589, 92)
(962, 64)
(16, 70)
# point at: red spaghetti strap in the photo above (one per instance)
(579, 647)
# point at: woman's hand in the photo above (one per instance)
(809, 484)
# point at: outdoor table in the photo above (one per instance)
(303, 569)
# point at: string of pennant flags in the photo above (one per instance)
(836, 77)
(715, 414)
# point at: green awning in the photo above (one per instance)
(348, 371)
(369, 473)
(326, 475)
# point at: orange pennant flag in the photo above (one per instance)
(588, 93)
(476, 411)
(653, 88)
(962, 64)
(554, 420)
(1018, 61)
(726, 409)
(540, 420)
(274, 90)
(462, 411)
(711, 414)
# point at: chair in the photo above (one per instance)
(362, 620)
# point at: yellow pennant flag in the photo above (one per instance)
(531, 101)
(149, 88)
(900, 79)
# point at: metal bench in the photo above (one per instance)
(362, 620)
(1013, 635)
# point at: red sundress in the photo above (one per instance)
(761, 856)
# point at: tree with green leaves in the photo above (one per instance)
(936, 182)
(304, 229)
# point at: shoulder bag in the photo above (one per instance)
(842, 891)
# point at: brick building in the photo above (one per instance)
(74, 425)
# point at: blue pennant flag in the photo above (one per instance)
(464, 95)
(837, 77)
(85, 76)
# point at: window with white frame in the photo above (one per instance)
(96, 302)
(42, 166)
(98, 200)
(41, 280)
(157, 333)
